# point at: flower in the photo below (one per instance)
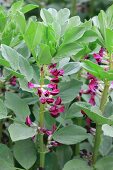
(56, 73)
(39, 92)
(54, 111)
(49, 100)
(58, 100)
(97, 57)
(28, 121)
(52, 86)
(31, 85)
(101, 52)
(93, 85)
(12, 81)
(55, 92)
(92, 99)
(55, 80)
(46, 93)
(42, 100)
(52, 65)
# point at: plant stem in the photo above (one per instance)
(41, 124)
(74, 8)
(99, 127)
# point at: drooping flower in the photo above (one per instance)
(58, 100)
(54, 111)
(55, 80)
(39, 92)
(52, 65)
(92, 99)
(61, 109)
(49, 100)
(101, 52)
(42, 100)
(31, 85)
(55, 92)
(12, 81)
(28, 121)
(93, 85)
(52, 86)
(97, 57)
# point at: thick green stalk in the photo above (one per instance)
(41, 124)
(99, 127)
(74, 8)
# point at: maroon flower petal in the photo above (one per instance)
(61, 109)
(55, 80)
(49, 100)
(55, 92)
(28, 121)
(42, 100)
(58, 101)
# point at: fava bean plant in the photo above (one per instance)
(56, 90)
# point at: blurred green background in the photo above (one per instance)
(84, 8)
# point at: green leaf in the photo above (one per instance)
(102, 22)
(4, 63)
(15, 73)
(33, 31)
(44, 54)
(24, 85)
(3, 110)
(70, 135)
(73, 112)
(73, 34)
(51, 157)
(4, 165)
(94, 113)
(46, 16)
(20, 20)
(88, 37)
(107, 130)
(73, 22)
(106, 145)
(3, 19)
(77, 164)
(6, 154)
(17, 6)
(17, 105)
(97, 70)
(109, 14)
(19, 131)
(109, 40)
(63, 16)
(67, 50)
(28, 8)
(7, 34)
(25, 68)
(69, 90)
(71, 68)
(25, 153)
(64, 154)
(10, 55)
(104, 163)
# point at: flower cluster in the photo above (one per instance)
(48, 133)
(92, 87)
(98, 56)
(48, 92)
